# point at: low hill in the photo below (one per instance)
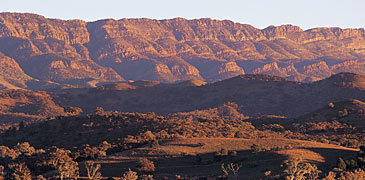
(18, 105)
(257, 95)
(349, 80)
(349, 111)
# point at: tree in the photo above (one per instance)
(129, 175)
(19, 171)
(7, 153)
(93, 170)
(63, 163)
(90, 152)
(297, 169)
(24, 148)
(231, 171)
(357, 174)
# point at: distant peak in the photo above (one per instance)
(286, 28)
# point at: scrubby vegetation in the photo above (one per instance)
(76, 145)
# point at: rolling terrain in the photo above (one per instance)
(256, 94)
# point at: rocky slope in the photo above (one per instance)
(87, 53)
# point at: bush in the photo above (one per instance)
(145, 165)
(233, 153)
(19, 171)
(72, 110)
(129, 175)
(297, 169)
(146, 177)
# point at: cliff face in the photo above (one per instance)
(176, 49)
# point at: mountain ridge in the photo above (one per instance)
(76, 52)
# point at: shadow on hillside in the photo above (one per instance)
(187, 145)
(254, 165)
(331, 155)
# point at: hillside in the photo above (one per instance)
(241, 97)
(177, 145)
(350, 111)
(257, 95)
(26, 105)
(90, 53)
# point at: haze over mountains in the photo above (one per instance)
(39, 53)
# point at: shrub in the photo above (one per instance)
(99, 111)
(233, 153)
(19, 171)
(129, 175)
(297, 169)
(145, 165)
(146, 177)
(358, 174)
(331, 105)
(223, 152)
(24, 148)
(75, 111)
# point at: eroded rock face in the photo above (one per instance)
(11, 75)
(175, 49)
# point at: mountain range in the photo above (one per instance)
(40, 53)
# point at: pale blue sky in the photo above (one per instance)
(259, 13)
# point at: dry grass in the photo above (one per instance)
(178, 156)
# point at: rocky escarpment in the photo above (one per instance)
(11, 75)
(88, 53)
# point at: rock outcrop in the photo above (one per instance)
(79, 52)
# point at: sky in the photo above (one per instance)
(259, 13)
